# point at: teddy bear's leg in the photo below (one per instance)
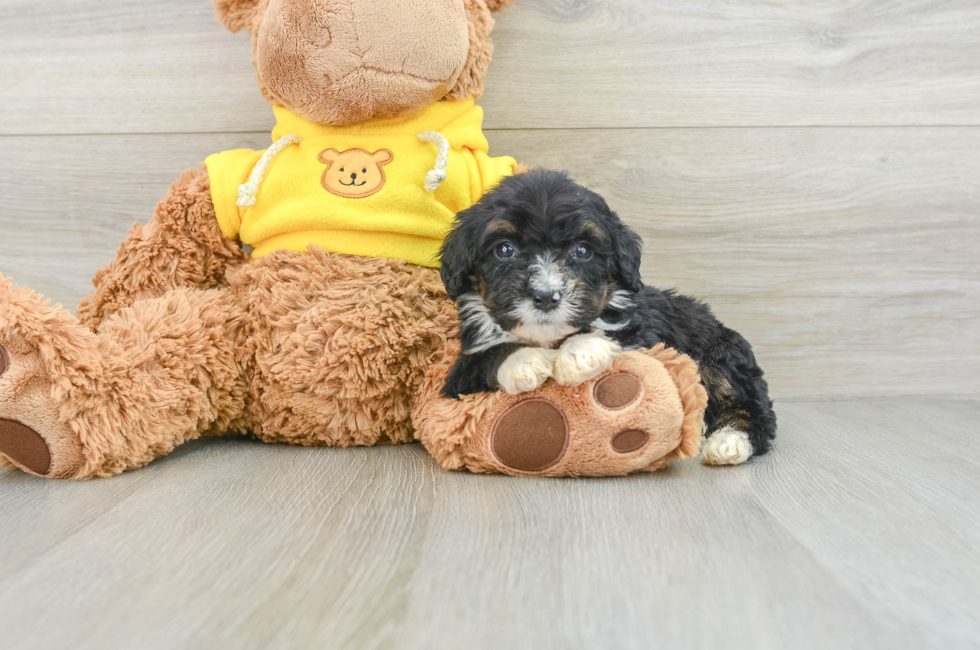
(341, 344)
(182, 246)
(639, 415)
(78, 404)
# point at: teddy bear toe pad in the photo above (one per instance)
(618, 390)
(630, 440)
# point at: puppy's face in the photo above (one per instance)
(541, 257)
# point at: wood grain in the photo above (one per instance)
(858, 531)
(144, 66)
(847, 256)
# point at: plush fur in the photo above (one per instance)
(670, 409)
(541, 259)
(274, 351)
(184, 335)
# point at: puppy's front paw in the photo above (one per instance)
(526, 369)
(583, 357)
(728, 446)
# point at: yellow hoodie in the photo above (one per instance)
(358, 190)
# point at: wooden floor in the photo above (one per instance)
(812, 169)
(860, 530)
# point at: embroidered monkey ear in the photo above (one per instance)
(237, 15)
(382, 157)
(329, 156)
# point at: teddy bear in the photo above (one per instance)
(293, 293)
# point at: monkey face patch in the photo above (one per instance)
(355, 173)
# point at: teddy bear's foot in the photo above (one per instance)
(535, 435)
(32, 436)
(632, 417)
(614, 425)
(34, 337)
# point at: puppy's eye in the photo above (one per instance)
(583, 252)
(364, 171)
(341, 169)
(505, 250)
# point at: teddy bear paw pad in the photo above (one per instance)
(32, 435)
(24, 446)
(530, 436)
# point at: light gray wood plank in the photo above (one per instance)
(858, 531)
(902, 477)
(138, 66)
(847, 256)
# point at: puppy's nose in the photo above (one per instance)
(546, 300)
(353, 176)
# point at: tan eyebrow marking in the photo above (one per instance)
(595, 231)
(501, 225)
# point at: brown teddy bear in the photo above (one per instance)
(335, 329)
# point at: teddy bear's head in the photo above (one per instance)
(343, 62)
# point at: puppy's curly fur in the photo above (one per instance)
(542, 261)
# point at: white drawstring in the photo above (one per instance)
(437, 175)
(247, 191)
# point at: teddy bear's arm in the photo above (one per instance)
(182, 246)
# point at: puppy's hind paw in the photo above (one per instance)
(585, 357)
(526, 369)
(728, 446)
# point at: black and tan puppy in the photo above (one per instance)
(547, 282)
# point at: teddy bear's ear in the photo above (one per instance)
(694, 398)
(237, 15)
(470, 81)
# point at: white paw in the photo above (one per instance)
(526, 370)
(727, 446)
(583, 357)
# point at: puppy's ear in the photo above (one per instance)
(460, 250)
(627, 256)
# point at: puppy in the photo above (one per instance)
(546, 279)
